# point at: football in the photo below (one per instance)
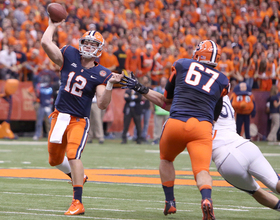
(56, 12)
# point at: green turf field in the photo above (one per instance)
(25, 198)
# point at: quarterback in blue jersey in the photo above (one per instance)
(193, 93)
(81, 78)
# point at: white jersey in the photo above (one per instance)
(224, 131)
(238, 159)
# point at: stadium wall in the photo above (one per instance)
(23, 110)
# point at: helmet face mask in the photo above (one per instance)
(207, 52)
(91, 44)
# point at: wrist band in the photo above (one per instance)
(109, 86)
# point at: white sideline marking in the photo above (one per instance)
(23, 143)
(71, 196)
(113, 210)
(69, 216)
(176, 211)
(121, 168)
(227, 209)
(157, 152)
(138, 200)
(271, 155)
(103, 167)
(5, 150)
(26, 162)
(46, 210)
(52, 210)
(235, 210)
(273, 143)
(185, 152)
(63, 180)
(21, 168)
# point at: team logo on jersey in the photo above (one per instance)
(102, 73)
(74, 65)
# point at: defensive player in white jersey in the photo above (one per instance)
(238, 160)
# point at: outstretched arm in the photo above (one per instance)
(158, 99)
(153, 96)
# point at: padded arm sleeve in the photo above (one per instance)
(170, 85)
(218, 108)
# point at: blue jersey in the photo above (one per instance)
(195, 89)
(78, 84)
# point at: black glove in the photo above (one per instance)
(132, 83)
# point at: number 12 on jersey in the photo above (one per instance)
(77, 86)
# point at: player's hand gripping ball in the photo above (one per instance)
(57, 12)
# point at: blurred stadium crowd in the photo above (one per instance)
(146, 37)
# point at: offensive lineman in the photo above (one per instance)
(192, 93)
